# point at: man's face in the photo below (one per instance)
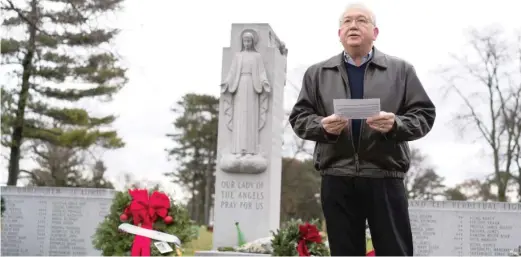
(357, 29)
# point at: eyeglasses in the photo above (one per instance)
(359, 21)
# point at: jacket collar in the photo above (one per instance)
(379, 59)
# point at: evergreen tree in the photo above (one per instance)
(63, 43)
(112, 242)
(195, 150)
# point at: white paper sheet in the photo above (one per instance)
(356, 108)
(156, 235)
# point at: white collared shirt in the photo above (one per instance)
(350, 60)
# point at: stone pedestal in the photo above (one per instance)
(248, 175)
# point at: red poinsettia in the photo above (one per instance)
(308, 234)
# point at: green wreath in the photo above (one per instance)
(296, 236)
(113, 242)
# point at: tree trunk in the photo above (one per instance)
(193, 207)
(207, 190)
(501, 194)
(17, 135)
(518, 181)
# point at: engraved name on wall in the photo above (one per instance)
(52, 221)
(465, 228)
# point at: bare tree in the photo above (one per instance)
(65, 167)
(488, 82)
(513, 120)
(58, 166)
(294, 146)
(476, 190)
(421, 181)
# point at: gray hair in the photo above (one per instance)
(358, 6)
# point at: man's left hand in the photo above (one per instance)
(382, 122)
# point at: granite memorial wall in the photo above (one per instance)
(61, 221)
(458, 228)
(52, 221)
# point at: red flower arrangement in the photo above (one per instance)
(144, 211)
(308, 234)
(297, 238)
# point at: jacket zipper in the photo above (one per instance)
(354, 149)
(357, 159)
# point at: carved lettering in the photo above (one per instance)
(464, 228)
(246, 195)
(52, 221)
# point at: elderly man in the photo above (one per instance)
(363, 162)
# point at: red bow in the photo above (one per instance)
(159, 203)
(144, 211)
(308, 234)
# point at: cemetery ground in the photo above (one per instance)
(202, 243)
(65, 220)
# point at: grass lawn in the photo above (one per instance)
(204, 242)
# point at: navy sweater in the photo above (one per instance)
(355, 76)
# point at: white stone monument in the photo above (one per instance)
(248, 176)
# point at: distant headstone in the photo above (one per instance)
(52, 221)
(465, 228)
(248, 177)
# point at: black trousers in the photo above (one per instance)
(348, 201)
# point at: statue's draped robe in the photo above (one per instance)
(245, 78)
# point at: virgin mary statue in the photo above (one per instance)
(248, 85)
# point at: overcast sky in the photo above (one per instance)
(175, 47)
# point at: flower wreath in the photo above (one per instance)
(297, 238)
(150, 209)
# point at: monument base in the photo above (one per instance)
(243, 163)
(219, 253)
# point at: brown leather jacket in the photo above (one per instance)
(379, 155)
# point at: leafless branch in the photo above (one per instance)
(30, 176)
(497, 118)
(298, 145)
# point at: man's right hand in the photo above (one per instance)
(334, 124)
